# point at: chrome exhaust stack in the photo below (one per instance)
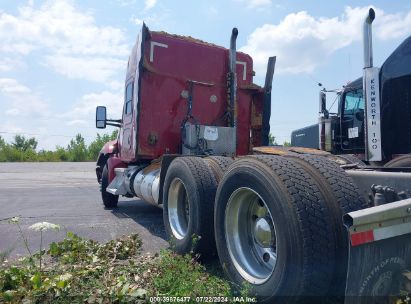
(233, 76)
(371, 91)
(367, 39)
(232, 85)
(267, 99)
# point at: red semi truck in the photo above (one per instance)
(193, 139)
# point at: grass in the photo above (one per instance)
(77, 270)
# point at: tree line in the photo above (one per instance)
(24, 149)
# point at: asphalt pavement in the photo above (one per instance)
(68, 194)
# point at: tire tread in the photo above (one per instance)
(318, 241)
(206, 186)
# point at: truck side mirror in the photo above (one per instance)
(323, 102)
(101, 117)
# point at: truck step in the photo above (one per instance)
(118, 186)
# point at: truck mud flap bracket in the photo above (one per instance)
(379, 252)
(118, 186)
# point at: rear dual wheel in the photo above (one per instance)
(218, 165)
(341, 196)
(278, 226)
(251, 235)
(273, 231)
(188, 204)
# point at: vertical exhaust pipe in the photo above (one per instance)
(233, 77)
(267, 99)
(232, 86)
(371, 91)
(367, 38)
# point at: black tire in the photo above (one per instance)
(341, 196)
(219, 165)
(191, 180)
(403, 161)
(303, 231)
(109, 200)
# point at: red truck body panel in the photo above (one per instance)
(109, 147)
(114, 162)
(159, 68)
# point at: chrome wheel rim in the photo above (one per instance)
(178, 208)
(251, 236)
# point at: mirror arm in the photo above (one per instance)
(113, 124)
(115, 120)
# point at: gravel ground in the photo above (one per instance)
(68, 194)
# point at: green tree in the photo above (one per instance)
(62, 154)
(77, 149)
(3, 147)
(96, 145)
(2, 143)
(24, 149)
(271, 140)
(24, 144)
(287, 144)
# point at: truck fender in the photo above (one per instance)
(112, 163)
(109, 148)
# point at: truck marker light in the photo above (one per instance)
(362, 238)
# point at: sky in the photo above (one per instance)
(59, 59)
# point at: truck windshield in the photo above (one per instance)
(353, 102)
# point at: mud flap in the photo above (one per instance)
(380, 252)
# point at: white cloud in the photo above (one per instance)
(42, 133)
(9, 64)
(258, 3)
(393, 26)
(136, 21)
(59, 25)
(60, 30)
(83, 112)
(255, 4)
(116, 85)
(10, 127)
(151, 19)
(77, 122)
(126, 2)
(24, 110)
(21, 100)
(149, 4)
(301, 42)
(11, 87)
(13, 47)
(98, 69)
